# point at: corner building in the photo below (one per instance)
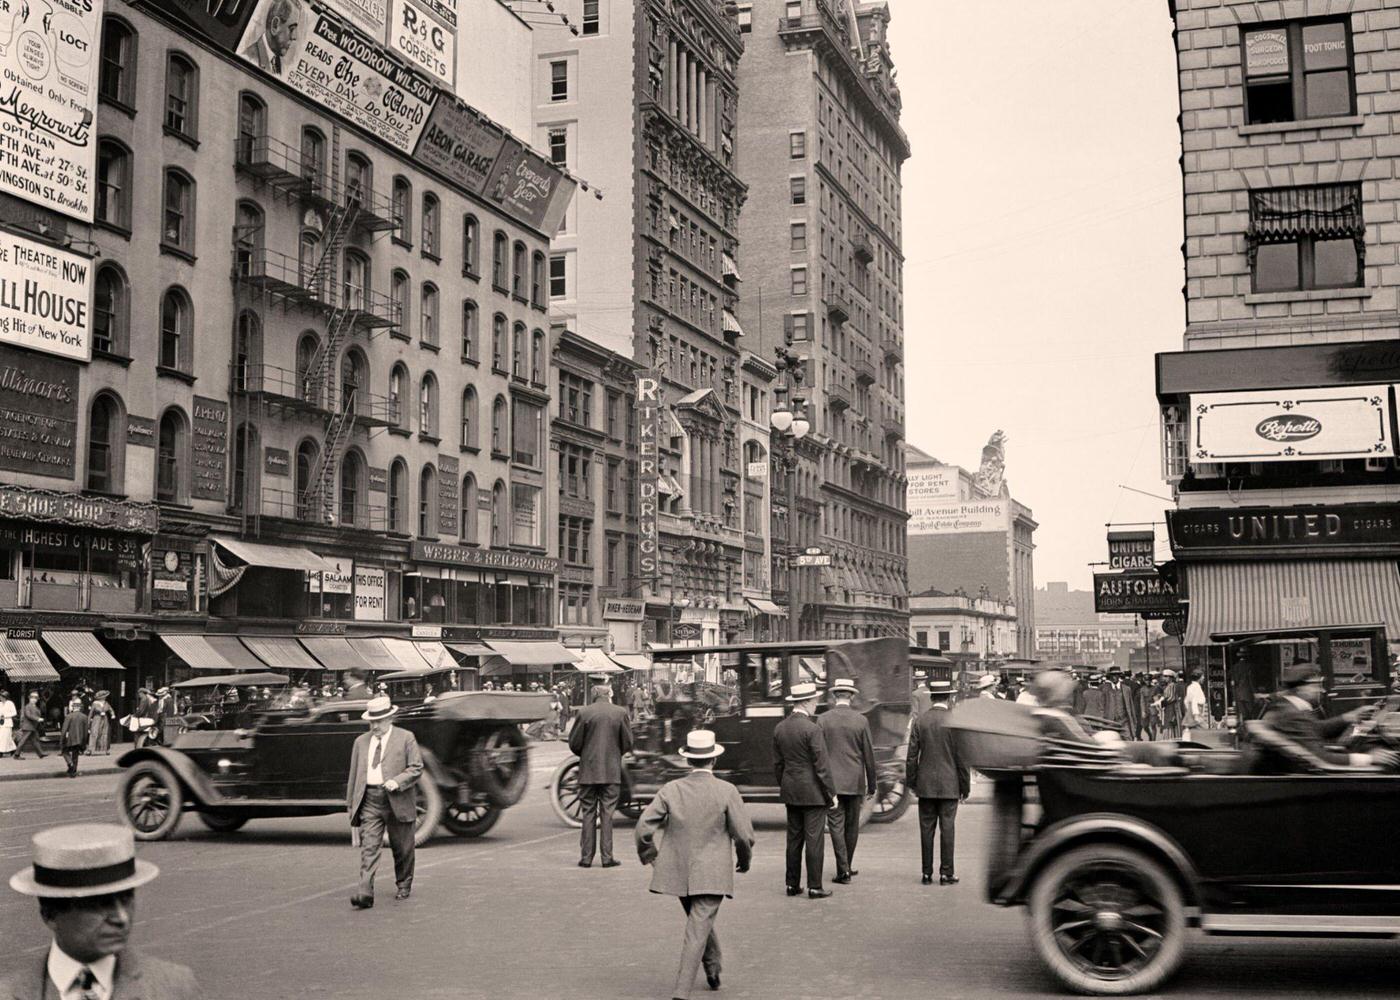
(822, 262)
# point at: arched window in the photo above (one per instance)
(518, 360)
(313, 158)
(427, 502)
(428, 236)
(518, 275)
(177, 222)
(308, 257)
(469, 331)
(181, 96)
(398, 300)
(469, 517)
(354, 373)
(171, 444)
(537, 280)
(117, 76)
(356, 284)
(247, 352)
(398, 386)
(304, 483)
(113, 184)
(106, 445)
(249, 227)
(498, 343)
(428, 406)
(469, 417)
(175, 325)
(359, 177)
(352, 474)
(500, 249)
(398, 496)
(110, 311)
(307, 387)
(537, 357)
(402, 202)
(244, 478)
(471, 246)
(428, 314)
(498, 426)
(498, 515)
(252, 128)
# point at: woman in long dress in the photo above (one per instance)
(100, 717)
(7, 723)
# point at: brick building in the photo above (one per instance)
(1069, 630)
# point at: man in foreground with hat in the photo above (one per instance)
(85, 878)
(697, 816)
(384, 765)
(599, 739)
(1293, 712)
(939, 779)
(804, 783)
(850, 754)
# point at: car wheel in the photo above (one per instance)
(564, 793)
(151, 800)
(892, 800)
(428, 799)
(1108, 920)
(499, 765)
(223, 822)
(470, 820)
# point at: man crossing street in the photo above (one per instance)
(600, 737)
(938, 777)
(804, 782)
(850, 754)
(385, 764)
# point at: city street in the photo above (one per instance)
(264, 913)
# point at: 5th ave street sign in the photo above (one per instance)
(812, 557)
(1145, 594)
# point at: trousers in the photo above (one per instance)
(932, 814)
(70, 756)
(701, 944)
(377, 817)
(599, 802)
(805, 826)
(843, 823)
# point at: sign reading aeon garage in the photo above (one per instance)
(1294, 425)
(44, 294)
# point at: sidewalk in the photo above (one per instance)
(53, 765)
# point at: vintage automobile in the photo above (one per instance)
(1116, 861)
(222, 701)
(744, 714)
(294, 762)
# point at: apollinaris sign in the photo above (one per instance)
(648, 473)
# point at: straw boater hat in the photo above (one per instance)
(379, 708)
(802, 692)
(700, 745)
(940, 687)
(86, 859)
(843, 685)
(986, 681)
(1169, 673)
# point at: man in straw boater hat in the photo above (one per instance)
(384, 766)
(850, 754)
(697, 817)
(939, 779)
(804, 783)
(85, 878)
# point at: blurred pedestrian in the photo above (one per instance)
(356, 686)
(385, 763)
(74, 736)
(1194, 713)
(31, 727)
(850, 754)
(804, 782)
(85, 878)
(100, 717)
(938, 777)
(986, 688)
(8, 715)
(600, 737)
(1093, 697)
(698, 816)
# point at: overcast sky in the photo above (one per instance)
(1042, 241)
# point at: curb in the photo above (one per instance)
(84, 773)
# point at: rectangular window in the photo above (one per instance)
(799, 237)
(614, 544)
(559, 146)
(797, 145)
(575, 399)
(794, 9)
(614, 485)
(590, 17)
(526, 434)
(526, 520)
(1306, 238)
(558, 277)
(178, 230)
(745, 18)
(614, 405)
(559, 81)
(797, 190)
(799, 281)
(1298, 70)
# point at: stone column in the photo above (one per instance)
(703, 98)
(691, 109)
(672, 78)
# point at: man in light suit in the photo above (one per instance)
(938, 777)
(85, 878)
(600, 737)
(697, 816)
(850, 754)
(384, 766)
(804, 784)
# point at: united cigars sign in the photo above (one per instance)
(1135, 593)
(648, 472)
(1132, 550)
(1329, 529)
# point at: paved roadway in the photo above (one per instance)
(265, 913)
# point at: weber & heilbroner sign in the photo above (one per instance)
(1253, 532)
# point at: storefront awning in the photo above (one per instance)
(470, 648)
(373, 652)
(334, 652)
(275, 556)
(280, 652)
(80, 649)
(1248, 598)
(765, 607)
(404, 655)
(538, 653)
(198, 654)
(435, 654)
(595, 661)
(23, 660)
(631, 661)
(235, 652)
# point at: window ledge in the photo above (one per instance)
(499, 455)
(399, 241)
(113, 227)
(184, 137)
(429, 438)
(500, 288)
(497, 370)
(472, 275)
(428, 345)
(430, 255)
(520, 298)
(119, 359)
(120, 105)
(467, 360)
(174, 251)
(398, 334)
(1341, 121)
(1306, 295)
(469, 449)
(402, 432)
(163, 372)
(539, 307)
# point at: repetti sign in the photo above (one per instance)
(44, 294)
(1291, 425)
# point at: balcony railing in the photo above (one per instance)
(287, 505)
(865, 370)
(371, 308)
(370, 409)
(893, 348)
(274, 161)
(277, 272)
(838, 304)
(863, 248)
(838, 397)
(374, 211)
(279, 383)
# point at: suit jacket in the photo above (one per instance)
(600, 737)
(933, 769)
(1306, 728)
(401, 761)
(30, 718)
(1093, 702)
(697, 816)
(1115, 703)
(75, 729)
(850, 754)
(359, 690)
(136, 977)
(800, 762)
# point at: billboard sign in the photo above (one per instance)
(529, 187)
(44, 296)
(461, 144)
(1296, 425)
(221, 21)
(369, 593)
(423, 40)
(1132, 550)
(648, 473)
(1145, 594)
(38, 414)
(960, 518)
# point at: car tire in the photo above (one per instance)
(471, 820)
(498, 765)
(223, 822)
(564, 793)
(428, 798)
(151, 800)
(892, 800)
(1090, 902)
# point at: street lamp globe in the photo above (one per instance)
(781, 420)
(800, 427)
(683, 602)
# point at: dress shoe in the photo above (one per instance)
(818, 893)
(403, 893)
(614, 863)
(362, 902)
(947, 880)
(927, 880)
(712, 980)
(852, 873)
(843, 879)
(794, 890)
(585, 864)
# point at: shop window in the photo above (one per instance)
(113, 207)
(117, 76)
(181, 96)
(175, 329)
(427, 502)
(110, 311)
(471, 245)
(398, 496)
(469, 515)
(106, 445)
(1298, 70)
(177, 225)
(172, 443)
(1306, 238)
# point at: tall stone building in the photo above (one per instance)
(822, 263)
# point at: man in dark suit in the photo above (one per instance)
(85, 878)
(938, 777)
(385, 764)
(850, 754)
(75, 733)
(1293, 712)
(804, 782)
(31, 726)
(1119, 706)
(600, 737)
(355, 686)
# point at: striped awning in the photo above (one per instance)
(729, 268)
(278, 651)
(435, 653)
(536, 653)
(333, 652)
(373, 652)
(631, 661)
(1230, 599)
(730, 323)
(595, 661)
(235, 652)
(80, 649)
(24, 660)
(405, 655)
(471, 648)
(198, 654)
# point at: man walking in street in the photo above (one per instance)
(698, 816)
(73, 740)
(31, 725)
(355, 686)
(939, 779)
(600, 737)
(1195, 715)
(384, 766)
(850, 753)
(804, 782)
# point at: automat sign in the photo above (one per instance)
(1144, 594)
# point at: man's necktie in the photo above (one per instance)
(378, 746)
(86, 983)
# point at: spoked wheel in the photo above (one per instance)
(892, 800)
(150, 801)
(1108, 920)
(499, 765)
(564, 793)
(471, 819)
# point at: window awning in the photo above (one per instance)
(765, 607)
(198, 654)
(279, 652)
(375, 653)
(334, 652)
(235, 652)
(731, 269)
(1248, 598)
(672, 221)
(730, 323)
(275, 556)
(404, 655)
(664, 485)
(1325, 210)
(595, 661)
(24, 660)
(80, 649)
(470, 648)
(435, 654)
(538, 653)
(631, 661)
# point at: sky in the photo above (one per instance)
(1042, 242)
